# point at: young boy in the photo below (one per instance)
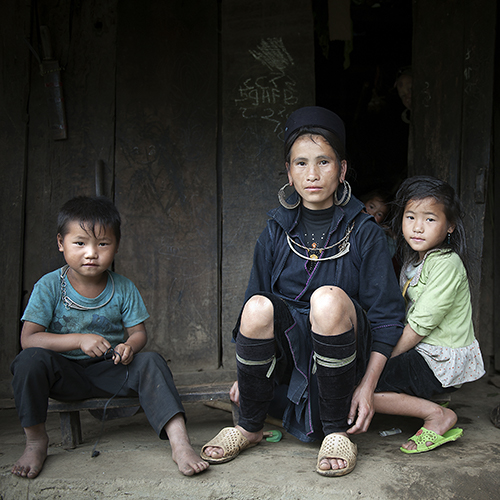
(75, 316)
(376, 204)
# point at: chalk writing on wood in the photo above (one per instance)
(272, 94)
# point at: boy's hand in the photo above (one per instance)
(94, 345)
(124, 354)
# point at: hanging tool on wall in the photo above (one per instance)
(51, 72)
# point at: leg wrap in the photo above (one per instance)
(255, 360)
(335, 367)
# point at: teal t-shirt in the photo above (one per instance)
(119, 305)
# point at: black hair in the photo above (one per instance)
(376, 193)
(89, 212)
(330, 137)
(419, 188)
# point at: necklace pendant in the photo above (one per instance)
(314, 245)
(313, 256)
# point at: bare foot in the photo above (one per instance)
(439, 421)
(188, 461)
(31, 462)
(253, 437)
(333, 463)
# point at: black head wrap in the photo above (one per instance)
(315, 116)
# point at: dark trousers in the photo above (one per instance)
(40, 373)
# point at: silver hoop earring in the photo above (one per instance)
(282, 199)
(346, 195)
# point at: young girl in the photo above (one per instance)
(437, 351)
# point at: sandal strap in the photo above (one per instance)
(338, 446)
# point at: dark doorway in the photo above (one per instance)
(357, 80)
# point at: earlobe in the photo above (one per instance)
(60, 243)
(290, 180)
(343, 170)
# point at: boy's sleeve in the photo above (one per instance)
(133, 309)
(41, 304)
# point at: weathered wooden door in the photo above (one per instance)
(451, 123)
(175, 112)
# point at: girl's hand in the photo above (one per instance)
(234, 394)
(93, 345)
(124, 354)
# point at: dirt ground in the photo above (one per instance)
(134, 464)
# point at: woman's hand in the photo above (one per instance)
(362, 409)
(362, 403)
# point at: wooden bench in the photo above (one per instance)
(69, 411)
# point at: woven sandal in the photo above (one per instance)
(337, 446)
(232, 442)
(424, 436)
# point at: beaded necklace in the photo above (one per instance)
(70, 303)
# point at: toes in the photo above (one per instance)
(214, 452)
(333, 463)
(194, 468)
(410, 445)
(187, 471)
(32, 473)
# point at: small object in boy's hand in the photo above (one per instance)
(390, 432)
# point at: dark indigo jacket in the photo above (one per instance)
(366, 274)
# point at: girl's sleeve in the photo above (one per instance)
(440, 279)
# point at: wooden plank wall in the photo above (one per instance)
(268, 68)
(183, 108)
(451, 126)
(14, 89)
(495, 209)
(83, 37)
(166, 177)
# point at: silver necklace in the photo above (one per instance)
(70, 303)
(344, 247)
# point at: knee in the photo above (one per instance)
(328, 299)
(149, 359)
(331, 306)
(30, 360)
(257, 316)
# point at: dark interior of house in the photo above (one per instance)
(357, 80)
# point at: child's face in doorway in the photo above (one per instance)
(88, 255)
(375, 206)
(403, 85)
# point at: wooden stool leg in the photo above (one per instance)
(71, 429)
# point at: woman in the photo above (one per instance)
(306, 350)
